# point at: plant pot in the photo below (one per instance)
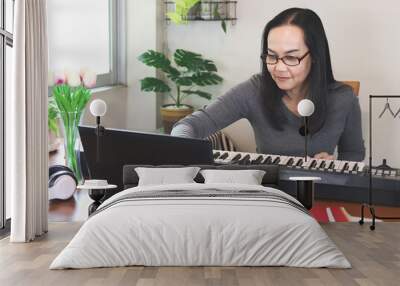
(171, 114)
(70, 122)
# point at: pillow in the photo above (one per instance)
(163, 176)
(248, 177)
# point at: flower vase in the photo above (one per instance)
(70, 122)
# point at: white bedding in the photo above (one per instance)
(200, 231)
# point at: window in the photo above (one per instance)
(6, 43)
(87, 34)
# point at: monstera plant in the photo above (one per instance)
(190, 72)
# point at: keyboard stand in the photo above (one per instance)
(305, 190)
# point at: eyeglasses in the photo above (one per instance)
(287, 60)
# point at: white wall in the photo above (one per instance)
(116, 99)
(143, 33)
(364, 42)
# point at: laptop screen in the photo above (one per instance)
(106, 156)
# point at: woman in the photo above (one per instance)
(295, 65)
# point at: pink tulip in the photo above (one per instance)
(59, 78)
(73, 79)
(89, 79)
(82, 72)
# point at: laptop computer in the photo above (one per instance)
(106, 156)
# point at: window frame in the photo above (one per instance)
(6, 39)
(117, 44)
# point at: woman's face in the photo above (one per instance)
(284, 41)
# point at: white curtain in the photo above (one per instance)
(26, 123)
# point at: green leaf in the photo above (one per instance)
(184, 81)
(175, 18)
(53, 115)
(209, 66)
(216, 12)
(192, 61)
(153, 84)
(53, 127)
(198, 92)
(223, 25)
(154, 59)
(158, 60)
(206, 78)
(182, 8)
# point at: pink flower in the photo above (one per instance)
(89, 78)
(59, 78)
(73, 79)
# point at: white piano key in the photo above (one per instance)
(327, 164)
(254, 156)
(361, 166)
(296, 160)
(283, 160)
(339, 165)
(351, 165)
(319, 162)
(307, 164)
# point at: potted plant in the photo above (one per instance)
(184, 9)
(191, 71)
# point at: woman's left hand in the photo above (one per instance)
(324, 155)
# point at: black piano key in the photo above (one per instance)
(313, 164)
(216, 155)
(267, 160)
(331, 166)
(322, 165)
(245, 160)
(355, 168)
(290, 162)
(236, 158)
(257, 161)
(277, 160)
(299, 163)
(346, 167)
(224, 156)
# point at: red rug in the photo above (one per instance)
(326, 214)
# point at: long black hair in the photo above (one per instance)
(319, 78)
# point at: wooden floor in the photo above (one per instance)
(375, 257)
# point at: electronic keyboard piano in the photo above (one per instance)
(332, 172)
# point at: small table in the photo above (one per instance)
(96, 193)
(305, 190)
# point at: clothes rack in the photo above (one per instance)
(370, 205)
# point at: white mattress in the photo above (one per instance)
(200, 231)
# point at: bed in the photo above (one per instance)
(201, 224)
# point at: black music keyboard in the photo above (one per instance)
(331, 172)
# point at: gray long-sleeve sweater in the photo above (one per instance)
(342, 127)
